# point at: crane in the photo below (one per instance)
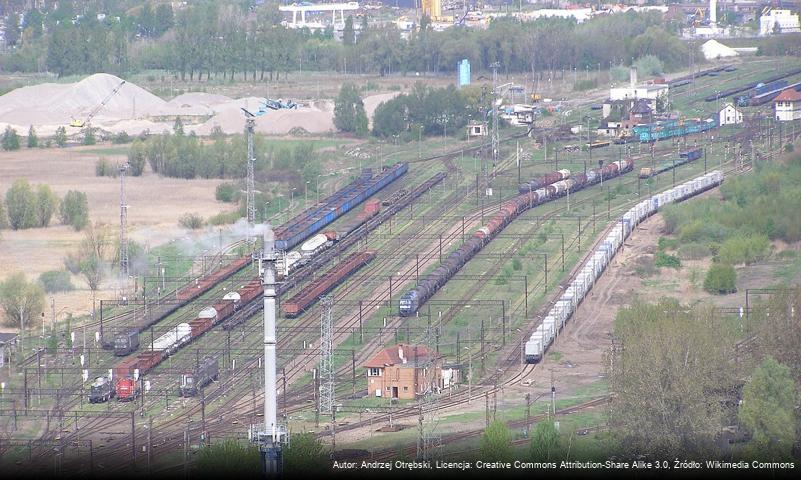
(81, 123)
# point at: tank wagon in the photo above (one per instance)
(684, 157)
(313, 220)
(309, 295)
(412, 300)
(543, 181)
(201, 376)
(651, 132)
(596, 263)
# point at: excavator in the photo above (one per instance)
(82, 123)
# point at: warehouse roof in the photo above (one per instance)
(789, 95)
(7, 338)
(400, 354)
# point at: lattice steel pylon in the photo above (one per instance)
(495, 139)
(429, 443)
(250, 123)
(124, 266)
(326, 355)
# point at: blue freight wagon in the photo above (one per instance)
(338, 204)
(651, 132)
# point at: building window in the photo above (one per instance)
(374, 372)
(405, 389)
(387, 388)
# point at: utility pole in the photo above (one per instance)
(495, 140)
(270, 435)
(326, 356)
(123, 225)
(250, 124)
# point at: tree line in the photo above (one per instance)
(28, 208)
(224, 39)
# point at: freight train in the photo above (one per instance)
(412, 300)
(334, 277)
(127, 341)
(130, 369)
(760, 89)
(684, 157)
(543, 181)
(594, 265)
(316, 218)
(651, 132)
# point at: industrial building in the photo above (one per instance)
(778, 21)
(787, 105)
(403, 371)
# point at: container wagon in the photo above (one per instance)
(191, 382)
(412, 300)
(594, 265)
(309, 295)
(651, 132)
(543, 181)
(338, 205)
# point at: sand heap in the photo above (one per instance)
(135, 110)
(53, 104)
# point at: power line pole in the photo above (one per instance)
(250, 123)
(495, 139)
(326, 356)
(123, 225)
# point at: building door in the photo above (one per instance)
(394, 392)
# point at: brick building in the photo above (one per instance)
(403, 371)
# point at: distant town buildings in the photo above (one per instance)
(649, 92)
(778, 21)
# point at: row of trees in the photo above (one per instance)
(675, 382)
(26, 208)
(210, 39)
(431, 110)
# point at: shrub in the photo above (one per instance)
(56, 281)
(227, 192)
(137, 157)
(743, 249)
(33, 140)
(662, 259)
(121, 138)
(517, 265)
(21, 205)
(74, 210)
(694, 251)
(224, 218)
(784, 254)
(104, 168)
(10, 140)
(46, 205)
(61, 136)
(191, 221)
(72, 263)
(720, 279)
(89, 136)
(3, 220)
(666, 243)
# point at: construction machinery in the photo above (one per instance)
(82, 123)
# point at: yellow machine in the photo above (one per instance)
(81, 123)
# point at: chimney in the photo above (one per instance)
(633, 76)
(400, 354)
(713, 12)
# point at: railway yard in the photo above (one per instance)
(515, 289)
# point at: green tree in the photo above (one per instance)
(22, 301)
(89, 135)
(12, 29)
(349, 114)
(33, 140)
(10, 139)
(669, 376)
(21, 205)
(74, 210)
(544, 442)
(137, 157)
(61, 136)
(390, 117)
(721, 278)
(348, 33)
(229, 459)
(178, 127)
(768, 409)
(3, 219)
(496, 442)
(305, 455)
(46, 205)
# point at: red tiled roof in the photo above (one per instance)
(788, 95)
(391, 356)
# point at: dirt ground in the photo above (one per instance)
(155, 205)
